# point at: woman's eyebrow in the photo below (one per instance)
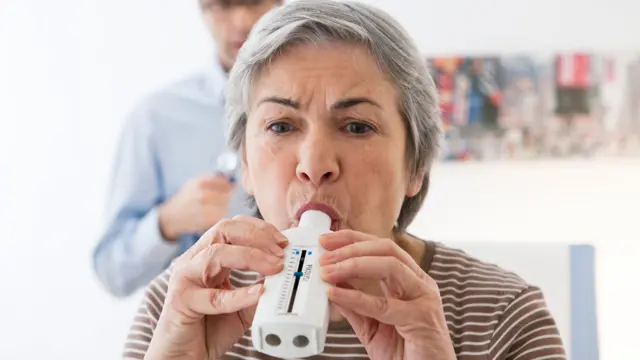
(338, 105)
(280, 101)
(351, 102)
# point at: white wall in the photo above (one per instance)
(578, 202)
(70, 70)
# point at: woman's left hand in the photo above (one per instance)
(406, 321)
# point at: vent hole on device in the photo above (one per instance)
(273, 340)
(300, 341)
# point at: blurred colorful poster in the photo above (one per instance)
(529, 107)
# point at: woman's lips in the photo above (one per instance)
(327, 209)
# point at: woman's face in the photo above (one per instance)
(324, 131)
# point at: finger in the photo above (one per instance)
(247, 314)
(384, 309)
(400, 281)
(259, 281)
(217, 183)
(248, 234)
(219, 301)
(341, 238)
(229, 176)
(217, 257)
(269, 228)
(358, 322)
(240, 233)
(214, 197)
(375, 247)
(227, 284)
(205, 240)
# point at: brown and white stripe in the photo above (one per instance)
(491, 314)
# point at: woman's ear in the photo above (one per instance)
(415, 184)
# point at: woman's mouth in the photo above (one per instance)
(327, 209)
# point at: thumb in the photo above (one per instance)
(218, 182)
(246, 315)
(361, 325)
(205, 301)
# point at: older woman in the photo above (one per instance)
(332, 108)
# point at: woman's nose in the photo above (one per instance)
(317, 161)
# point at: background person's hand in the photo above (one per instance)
(203, 316)
(197, 206)
(406, 319)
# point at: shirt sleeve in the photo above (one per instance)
(146, 318)
(527, 330)
(131, 250)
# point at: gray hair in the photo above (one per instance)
(314, 21)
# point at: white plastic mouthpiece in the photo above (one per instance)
(316, 219)
(292, 316)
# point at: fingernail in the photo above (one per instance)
(255, 288)
(281, 239)
(326, 237)
(328, 269)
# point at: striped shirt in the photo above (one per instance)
(491, 314)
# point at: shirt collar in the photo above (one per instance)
(216, 78)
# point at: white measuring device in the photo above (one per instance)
(227, 165)
(292, 316)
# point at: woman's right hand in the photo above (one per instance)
(203, 316)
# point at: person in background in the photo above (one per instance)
(164, 190)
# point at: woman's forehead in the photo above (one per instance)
(333, 72)
(325, 56)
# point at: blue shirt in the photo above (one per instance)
(174, 135)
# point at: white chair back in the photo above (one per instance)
(566, 275)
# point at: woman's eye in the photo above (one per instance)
(358, 128)
(280, 127)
